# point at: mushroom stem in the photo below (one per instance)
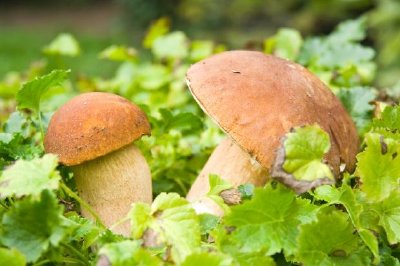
(231, 163)
(111, 183)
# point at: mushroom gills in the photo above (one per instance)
(232, 164)
(111, 183)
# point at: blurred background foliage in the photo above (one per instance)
(27, 25)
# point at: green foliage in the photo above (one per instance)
(269, 222)
(379, 167)
(30, 178)
(169, 223)
(33, 226)
(11, 257)
(31, 92)
(354, 222)
(357, 102)
(304, 149)
(330, 241)
(64, 44)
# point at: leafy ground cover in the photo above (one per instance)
(355, 222)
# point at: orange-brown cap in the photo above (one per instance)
(92, 125)
(257, 99)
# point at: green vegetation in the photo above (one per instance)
(355, 222)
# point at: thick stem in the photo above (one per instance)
(231, 163)
(111, 183)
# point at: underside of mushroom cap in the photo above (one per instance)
(92, 125)
(257, 99)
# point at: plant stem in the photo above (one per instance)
(75, 196)
(77, 253)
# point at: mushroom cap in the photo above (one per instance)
(94, 124)
(257, 98)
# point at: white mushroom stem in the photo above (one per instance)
(231, 163)
(111, 183)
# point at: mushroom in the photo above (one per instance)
(256, 99)
(94, 134)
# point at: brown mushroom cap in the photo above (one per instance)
(257, 99)
(92, 125)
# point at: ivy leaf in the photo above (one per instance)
(128, 252)
(11, 257)
(357, 103)
(299, 160)
(33, 226)
(31, 92)
(26, 178)
(330, 241)
(207, 258)
(389, 216)
(269, 221)
(63, 44)
(378, 167)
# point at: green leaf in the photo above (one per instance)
(246, 191)
(208, 222)
(172, 46)
(140, 215)
(299, 160)
(15, 146)
(26, 178)
(304, 150)
(153, 76)
(128, 252)
(217, 185)
(389, 120)
(286, 43)
(33, 226)
(269, 222)
(206, 258)
(350, 30)
(200, 50)
(174, 224)
(119, 53)
(378, 167)
(357, 103)
(389, 216)
(63, 44)
(31, 92)
(330, 241)
(159, 28)
(11, 257)
(345, 196)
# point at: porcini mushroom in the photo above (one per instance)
(256, 99)
(94, 134)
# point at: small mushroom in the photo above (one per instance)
(94, 134)
(256, 106)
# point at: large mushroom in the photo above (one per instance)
(256, 99)
(94, 134)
